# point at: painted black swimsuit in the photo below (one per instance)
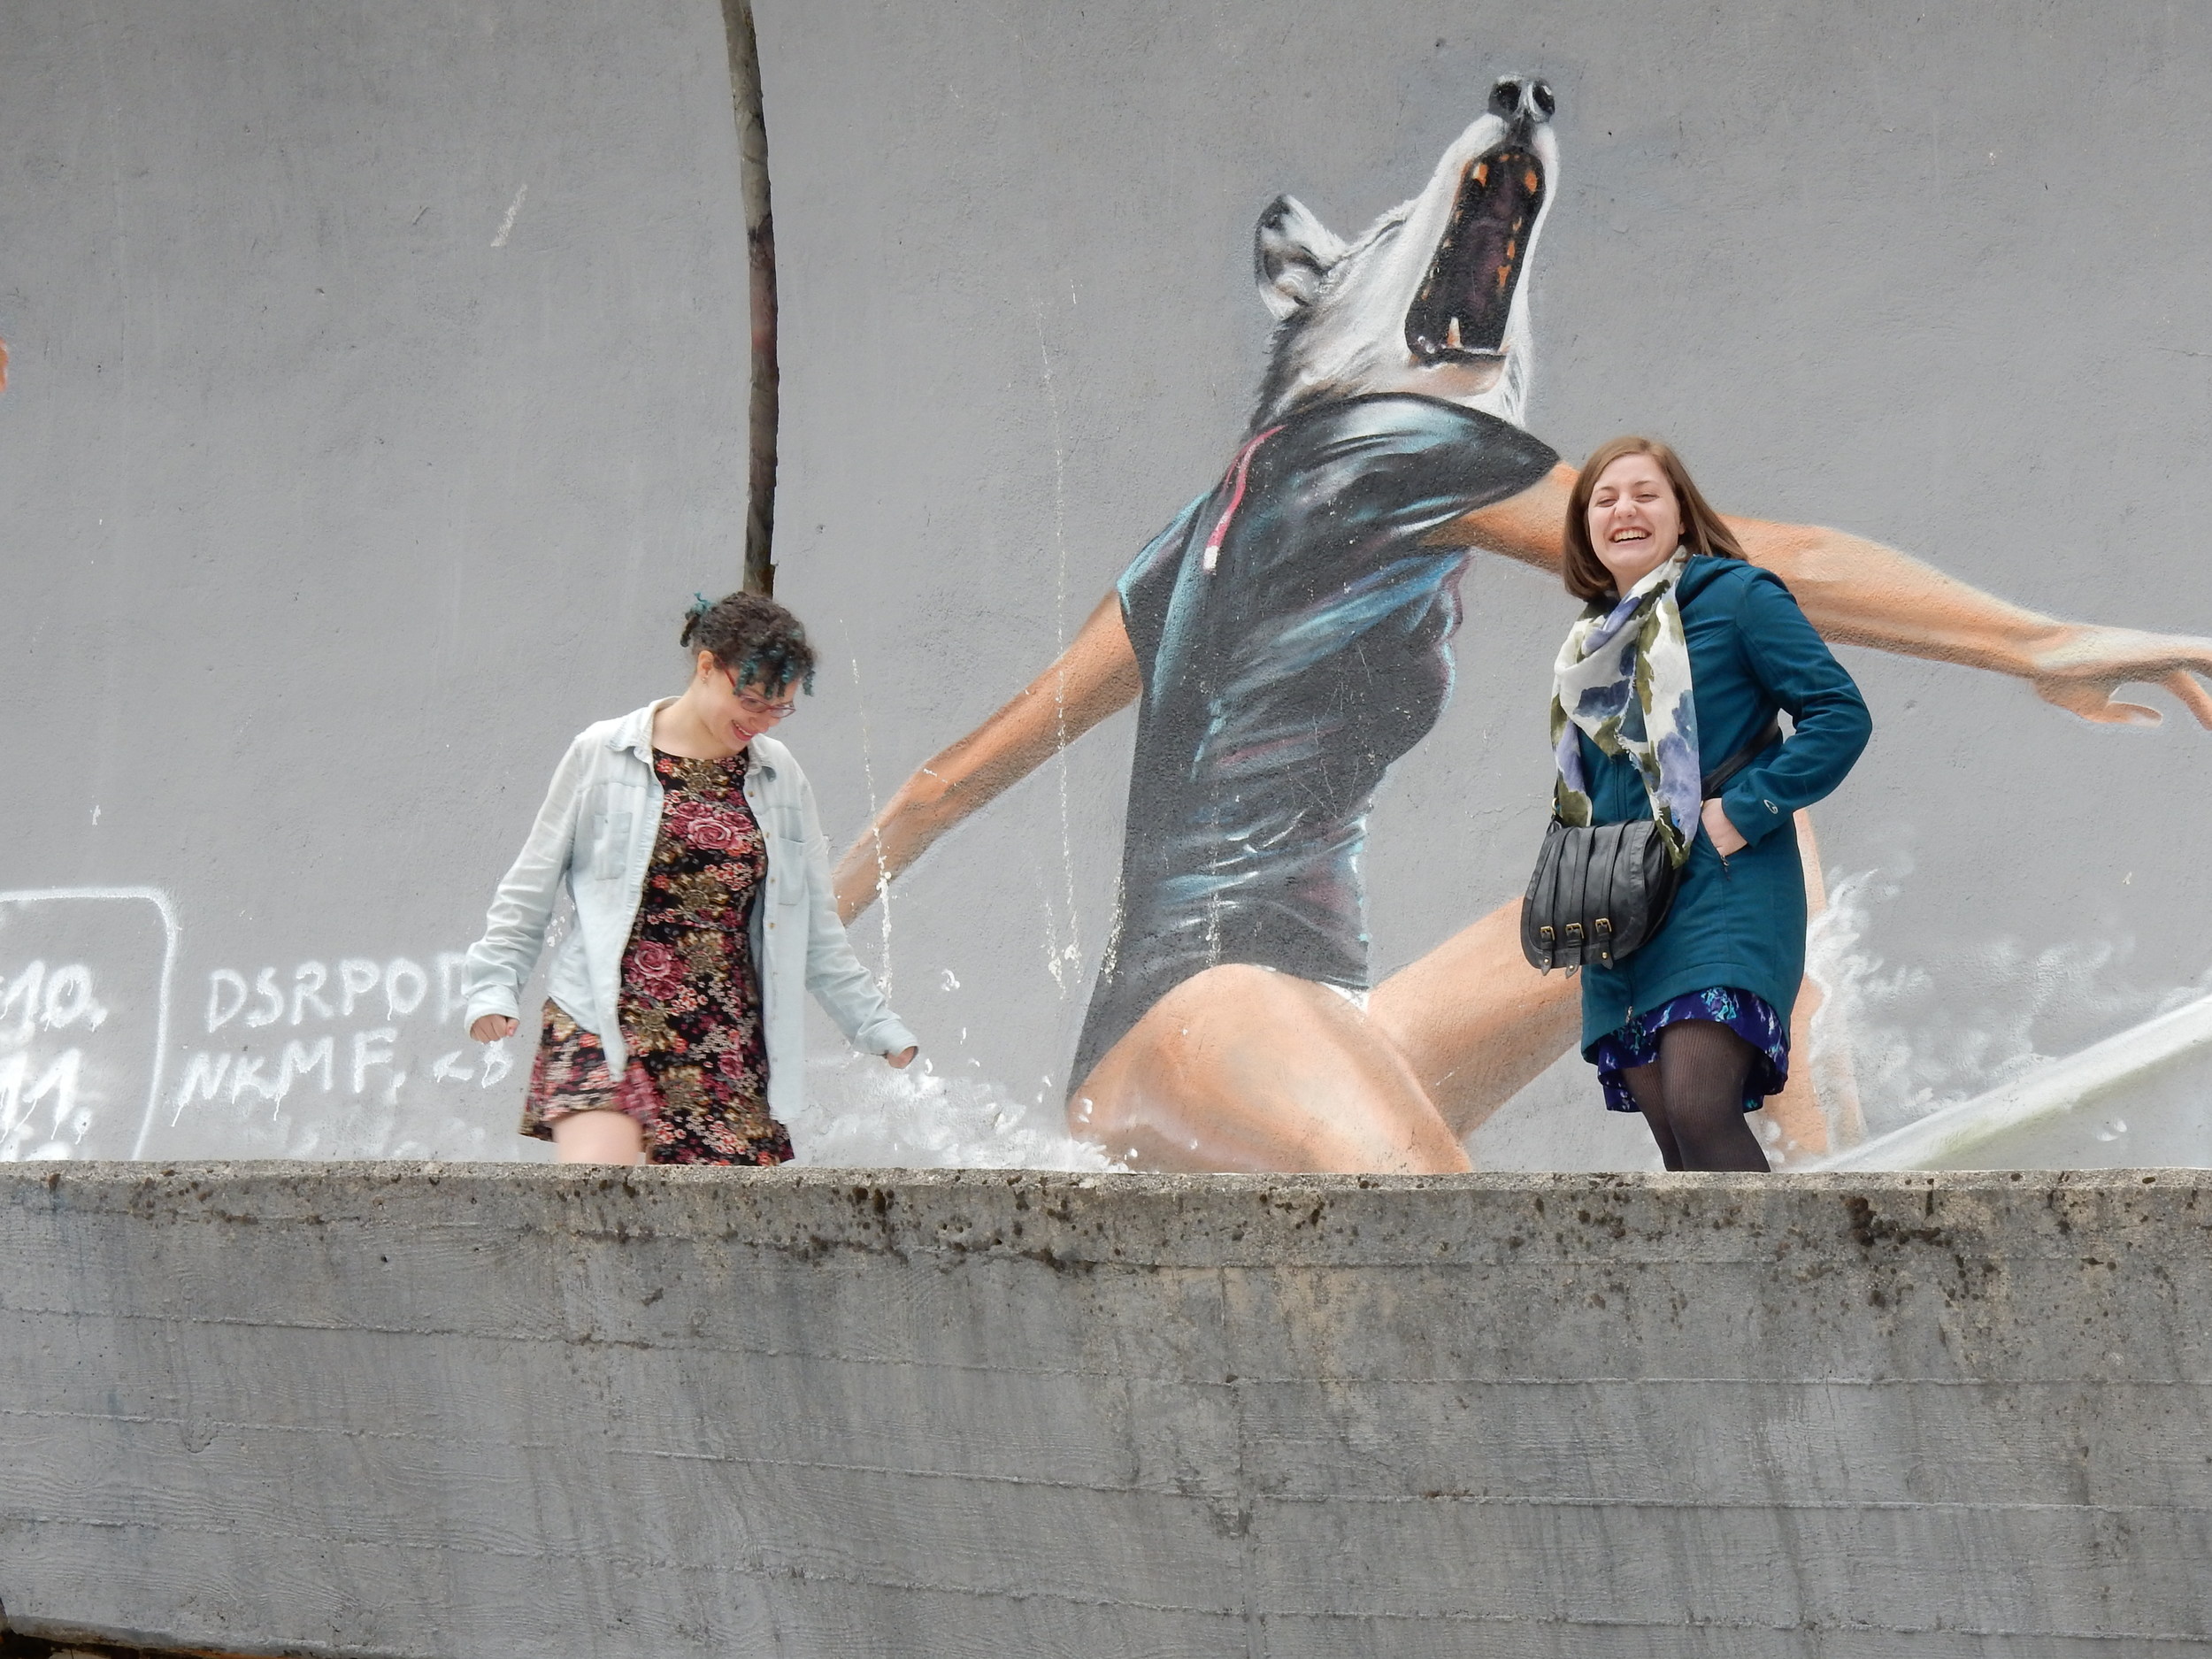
(1293, 635)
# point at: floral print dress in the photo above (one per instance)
(697, 1077)
(1750, 1017)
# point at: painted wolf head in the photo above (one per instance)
(1432, 298)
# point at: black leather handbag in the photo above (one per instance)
(1601, 892)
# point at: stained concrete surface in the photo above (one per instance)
(474, 1411)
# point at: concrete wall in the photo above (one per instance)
(448, 1410)
(378, 404)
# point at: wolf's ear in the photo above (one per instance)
(1292, 252)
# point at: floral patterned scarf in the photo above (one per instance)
(1631, 648)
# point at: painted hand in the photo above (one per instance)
(1719, 830)
(2086, 665)
(492, 1027)
(903, 1058)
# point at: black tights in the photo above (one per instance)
(1692, 1095)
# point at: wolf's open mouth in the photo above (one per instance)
(1460, 313)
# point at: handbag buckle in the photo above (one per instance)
(1604, 925)
(1546, 934)
(1574, 932)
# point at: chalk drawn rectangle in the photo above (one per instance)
(85, 977)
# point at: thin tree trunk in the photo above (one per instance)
(760, 242)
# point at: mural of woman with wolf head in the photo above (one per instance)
(1288, 636)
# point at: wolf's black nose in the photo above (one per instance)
(1520, 101)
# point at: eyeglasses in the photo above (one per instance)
(753, 705)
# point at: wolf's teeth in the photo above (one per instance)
(1451, 334)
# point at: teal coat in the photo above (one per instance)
(1738, 920)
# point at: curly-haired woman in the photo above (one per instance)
(689, 839)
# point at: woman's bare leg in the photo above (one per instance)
(598, 1137)
(1475, 1022)
(1244, 1069)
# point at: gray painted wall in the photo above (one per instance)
(462, 1412)
(377, 402)
(339, 491)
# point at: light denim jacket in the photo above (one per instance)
(593, 837)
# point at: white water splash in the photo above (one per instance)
(1064, 962)
(868, 771)
(1923, 1037)
(861, 1114)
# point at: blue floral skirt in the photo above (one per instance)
(1636, 1043)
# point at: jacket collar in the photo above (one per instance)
(1697, 571)
(634, 732)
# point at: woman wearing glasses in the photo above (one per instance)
(674, 1031)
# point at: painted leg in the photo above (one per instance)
(1797, 1110)
(598, 1137)
(1819, 1110)
(1835, 1081)
(1244, 1069)
(1475, 1022)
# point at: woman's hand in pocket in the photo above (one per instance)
(1720, 832)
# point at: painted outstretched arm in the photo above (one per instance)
(1095, 676)
(1860, 593)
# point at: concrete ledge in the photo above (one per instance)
(482, 1410)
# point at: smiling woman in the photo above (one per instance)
(1684, 653)
(687, 839)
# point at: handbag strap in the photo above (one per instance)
(1719, 778)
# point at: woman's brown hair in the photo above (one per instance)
(1702, 531)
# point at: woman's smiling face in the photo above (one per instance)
(1635, 522)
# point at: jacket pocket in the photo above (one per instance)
(786, 868)
(607, 833)
(1703, 851)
